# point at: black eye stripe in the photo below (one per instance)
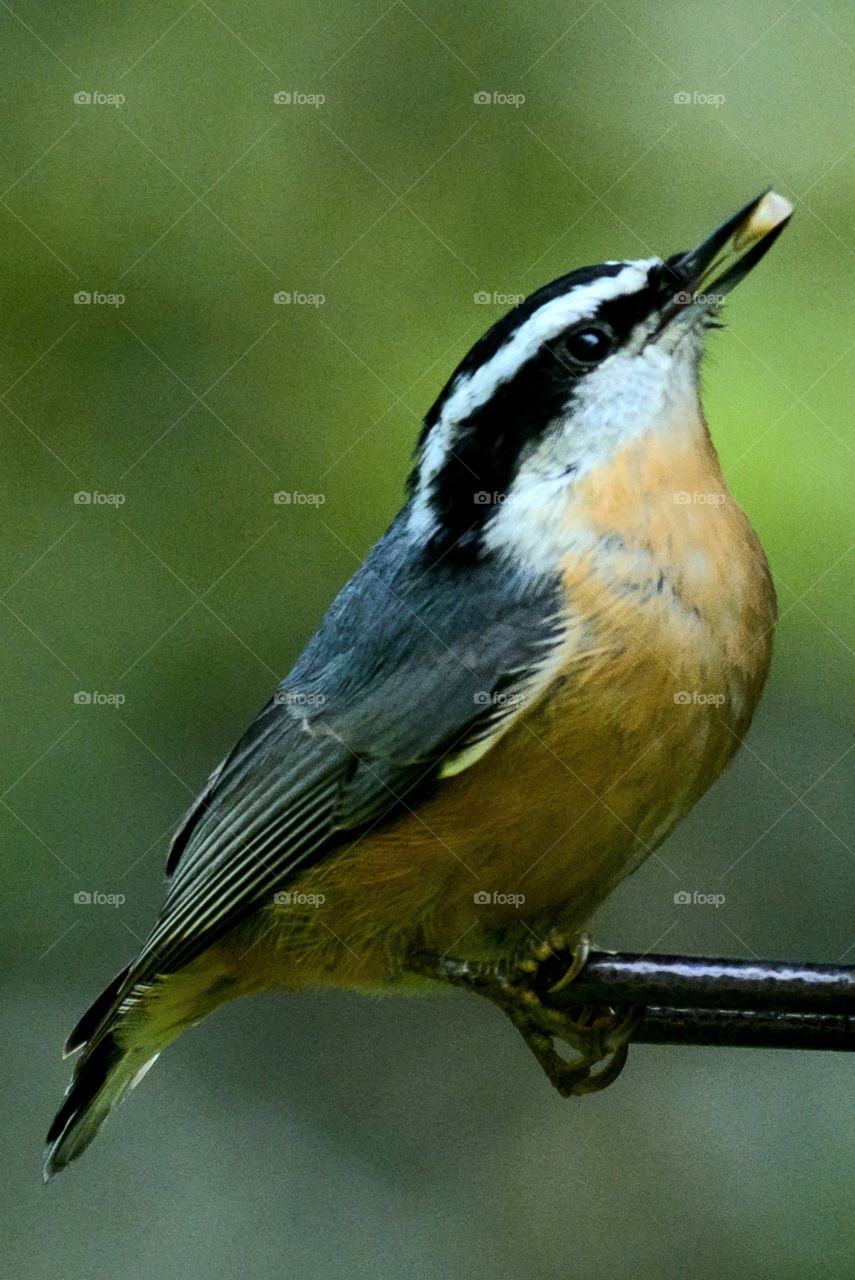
(480, 461)
(504, 328)
(623, 313)
(486, 450)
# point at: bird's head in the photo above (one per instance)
(599, 358)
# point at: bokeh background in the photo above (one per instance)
(336, 1136)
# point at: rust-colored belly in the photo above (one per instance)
(542, 828)
(655, 696)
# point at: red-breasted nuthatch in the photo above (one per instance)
(547, 659)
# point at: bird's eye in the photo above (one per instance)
(589, 345)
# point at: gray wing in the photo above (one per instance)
(408, 667)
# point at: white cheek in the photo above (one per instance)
(531, 524)
(632, 395)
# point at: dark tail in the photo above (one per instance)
(97, 1013)
(115, 1056)
(103, 1076)
(121, 1034)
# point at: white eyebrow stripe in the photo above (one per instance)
(475, 389)
(547, 322)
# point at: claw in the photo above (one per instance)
(580, 958)
(599, 1036)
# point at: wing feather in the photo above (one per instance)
(409, 673)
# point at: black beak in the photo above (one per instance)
(737, 245)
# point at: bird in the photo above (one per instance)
(545, 661)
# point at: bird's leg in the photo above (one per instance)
(598, 1035)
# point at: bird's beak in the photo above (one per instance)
(701, 278)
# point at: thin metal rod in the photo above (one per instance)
(746, 1029)
(700, 982)
(695, 1000)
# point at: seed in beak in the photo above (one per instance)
(765, 216)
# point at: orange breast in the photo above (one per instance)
(670, 609)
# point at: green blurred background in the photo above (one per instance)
(336, 1136)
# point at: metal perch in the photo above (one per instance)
(694, 1000)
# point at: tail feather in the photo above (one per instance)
(97, 1013)
(103, 1076)
(121, 1035)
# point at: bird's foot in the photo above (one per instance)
(599, 1036)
